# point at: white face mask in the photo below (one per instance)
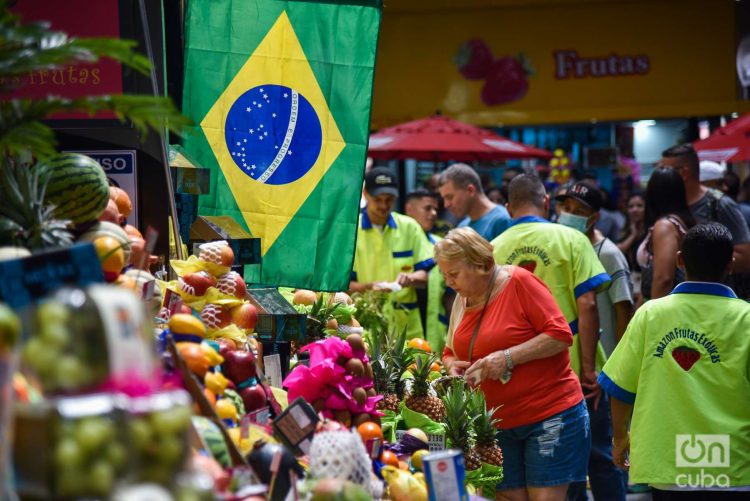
(580, 223)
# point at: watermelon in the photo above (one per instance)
(78, 187)
(105, 228)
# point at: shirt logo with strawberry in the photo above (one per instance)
(505, 78)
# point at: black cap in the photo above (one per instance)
(586, 193)
(381, 180)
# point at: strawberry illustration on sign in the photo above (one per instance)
(686, 357)
(505, 78)
(474, 59)
(528, 265)
(506, 81)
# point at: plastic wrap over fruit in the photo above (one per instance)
(342, 455)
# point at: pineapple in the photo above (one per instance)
(389, 367)
(420, 400)
(484, 430)
(25, 219)
(458, 423)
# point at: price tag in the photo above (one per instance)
(30, 278)
(123, 319)
(272, 365)
(296, 425)
(435, 442)
(260, 417)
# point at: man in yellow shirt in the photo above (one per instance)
(422, 205)
(392, 253)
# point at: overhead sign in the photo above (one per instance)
(497, 63)
(101, 19)
(120, 167)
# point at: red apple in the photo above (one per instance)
(196, 284)
(232, 284)
(215, 317)
(239, 366)
(254, 397)
(225, 346)
(245, 316)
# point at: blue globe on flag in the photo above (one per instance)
(273, 134)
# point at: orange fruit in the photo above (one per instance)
(420, 344)
(121, 198)
(387, 457)
(302, 296)
(435, 367)
(369, 431)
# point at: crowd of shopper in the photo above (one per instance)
(529, 301)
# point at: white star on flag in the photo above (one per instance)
(273, 115)
(286, 95)
(248, 109)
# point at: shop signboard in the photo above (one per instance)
(497, 63)
(101, 19)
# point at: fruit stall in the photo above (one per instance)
(193, 384)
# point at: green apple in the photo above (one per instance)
(40, 357)
(140, 433)
(101, 477)
(52, 312)
(10, 327)
(56, 335)
(68, 453)
(94, 432)
(116, 454)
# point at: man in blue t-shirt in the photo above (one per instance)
(462, 193)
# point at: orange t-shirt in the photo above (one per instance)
(522, 310)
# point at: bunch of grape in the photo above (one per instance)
(88, 457)
(159, 439)
(66, 351)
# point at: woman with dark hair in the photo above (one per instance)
(668, 219)
(633, 234)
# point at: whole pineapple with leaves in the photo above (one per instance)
(484, 430)
(458, 423)
(420, 399)
(25, 219)
(390, 360)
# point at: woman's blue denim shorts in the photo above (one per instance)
(551, 452)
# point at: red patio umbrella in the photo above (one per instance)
(730, 143)
(440, 138)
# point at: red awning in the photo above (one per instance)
(730, 143)
(441, 138)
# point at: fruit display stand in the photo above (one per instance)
(123, 382)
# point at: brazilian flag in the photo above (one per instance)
(281, 93)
